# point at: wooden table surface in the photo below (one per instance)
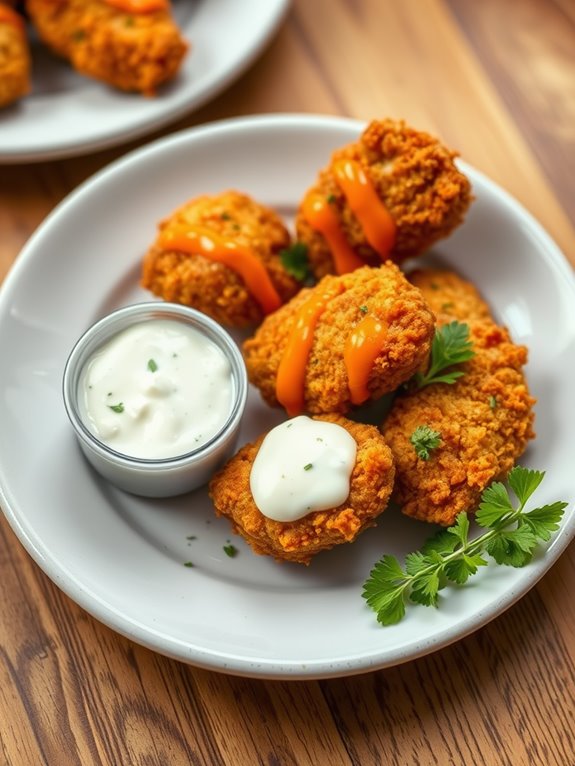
(496, 80)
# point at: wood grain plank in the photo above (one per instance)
(490, 700)
(527, 48)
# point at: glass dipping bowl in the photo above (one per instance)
(162, 477)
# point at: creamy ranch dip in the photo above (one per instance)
(303, 465)
(158, 389)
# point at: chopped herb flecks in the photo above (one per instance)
(230, 550)
(117, 407)
(425, 439)
(295, 261)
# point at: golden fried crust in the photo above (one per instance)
(212, 287)
(449, 296)
(416, 178)
(383, 292)
(14, 63)
(485, 418)
(371, 483)
(130, 51)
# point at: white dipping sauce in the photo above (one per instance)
(158, 389)
(303, 465)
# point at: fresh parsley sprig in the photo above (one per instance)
(450, 346)
(511, 537)
(295, 261)
(425, 439)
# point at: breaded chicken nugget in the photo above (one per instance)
(133, 45)
(220, 255)
(392, 194)
(370, 486)
(14, 57)
(348, 339)
(484, 419)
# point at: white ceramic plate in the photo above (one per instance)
(68, 114)
(122, 558)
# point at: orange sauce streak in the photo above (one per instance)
(377, 223)
(200, 241)
(139, 6)
(361, 350)
(321, 216)
(290, 381)
(9, 16)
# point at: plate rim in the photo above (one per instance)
(182, 106)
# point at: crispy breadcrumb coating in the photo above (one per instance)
(130, 51)
(384, 293)
(415, 177)
(371, 483)
(485, 418)
(15, 62)
(212, 287)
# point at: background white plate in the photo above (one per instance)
(122, 558)
(67, 114)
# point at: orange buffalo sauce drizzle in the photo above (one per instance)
(290, 381)
(139, 6)
(9, 16)
(200, 241)
(363, 199)
(322, 217)
(361, 350)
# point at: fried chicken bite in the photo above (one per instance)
(484, 419)
(221, 255)
(15, 61)
(132, 45)
(349, 339)
(370, 485)
(392, 194)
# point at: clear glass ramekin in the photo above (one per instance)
(162, 477)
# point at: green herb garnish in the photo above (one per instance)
(492, 402)
(188, 564)
(363, 309)
(331, 198)
(308, 467)
(230, 550)
(511, 537)
(451, 345)
(425, 439)
(295, 261)
(152, 366)
(117, 407)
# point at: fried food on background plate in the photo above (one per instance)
(221, 255)
(133, 45)
(484, 419)
(15, 62)
(345, 341)
(370, 486)
(392, 194)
